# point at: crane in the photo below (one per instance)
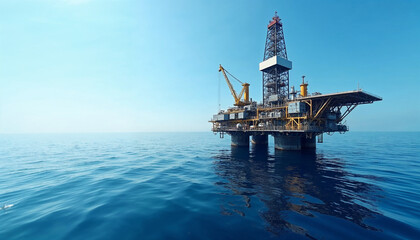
(244, 91)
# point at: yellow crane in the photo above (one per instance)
(244, 91)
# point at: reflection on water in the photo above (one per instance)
(289, 187)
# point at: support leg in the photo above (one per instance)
(308, 143)
(287, 142)
(239, 140)
(259, 139)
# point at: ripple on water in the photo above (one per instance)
(154, 186)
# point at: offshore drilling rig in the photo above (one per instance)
(293, 118)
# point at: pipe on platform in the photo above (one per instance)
(239, 140)
(259, 139)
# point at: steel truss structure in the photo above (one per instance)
(275, 82)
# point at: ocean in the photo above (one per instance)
(360, 185)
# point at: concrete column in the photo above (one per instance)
(287, 142)
(259, 139)
(239, 153)
(239, 139)
(308, 142)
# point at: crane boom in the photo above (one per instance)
(244, 91)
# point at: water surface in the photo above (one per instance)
(194, 185)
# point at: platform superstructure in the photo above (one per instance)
(293, 117)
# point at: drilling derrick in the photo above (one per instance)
(275, 65)
(293, 121)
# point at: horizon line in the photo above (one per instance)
(27, 133)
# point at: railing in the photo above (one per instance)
(300, 128)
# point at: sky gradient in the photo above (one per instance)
(133, 66)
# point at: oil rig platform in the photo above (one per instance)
(293, 118)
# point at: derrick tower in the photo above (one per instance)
(275, 65)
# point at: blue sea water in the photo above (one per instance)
(195, 186)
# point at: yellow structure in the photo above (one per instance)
(303, 88)
(244, 91)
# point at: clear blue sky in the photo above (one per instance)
(130, 65)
